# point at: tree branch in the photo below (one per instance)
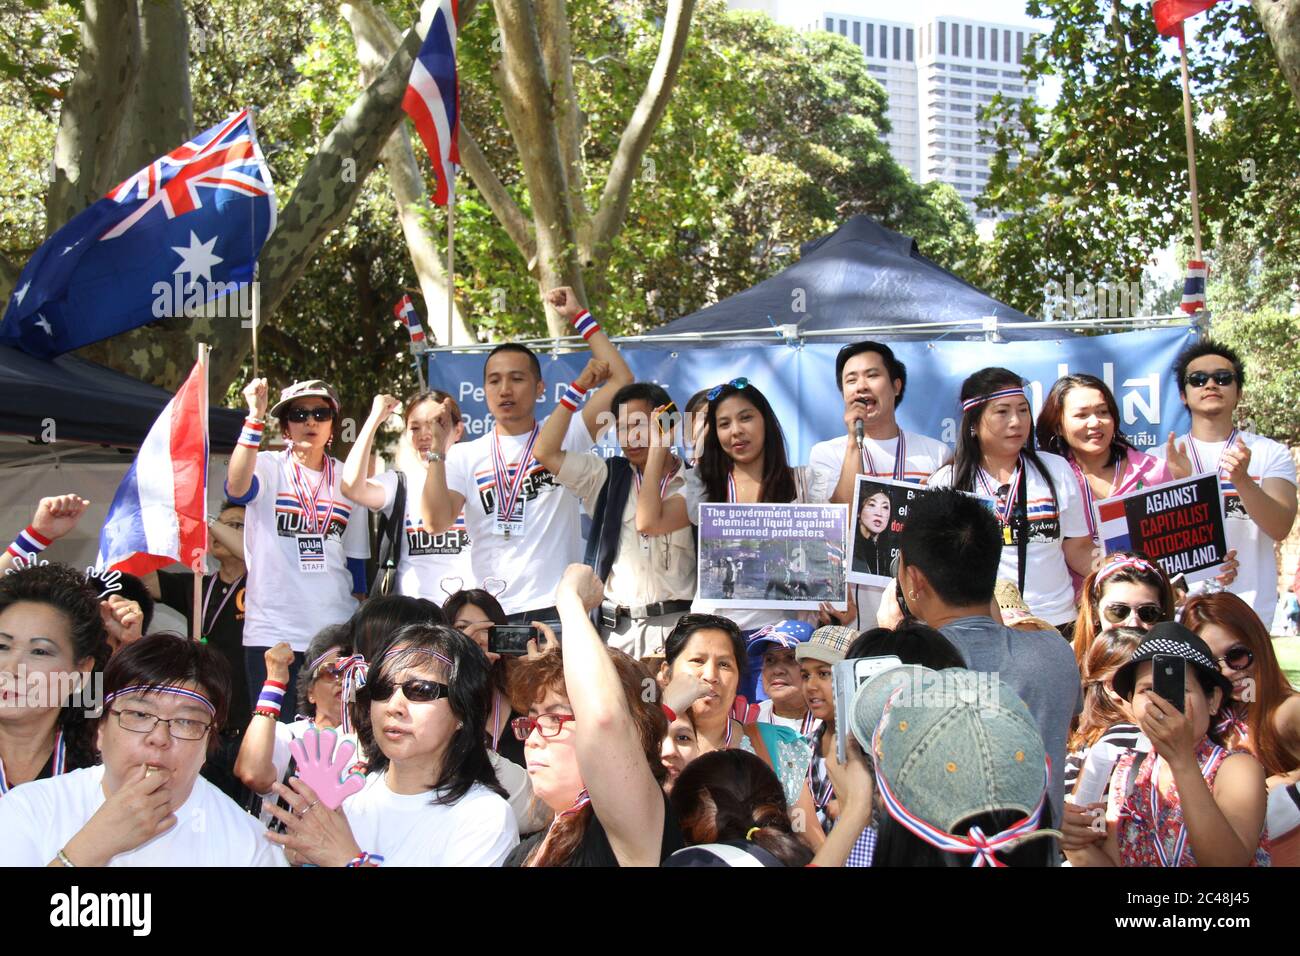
(93, 109)
(557, 55)
(500, 201)
(160, 114)
(1281, 20)
(640, 130)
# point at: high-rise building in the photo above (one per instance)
(939, 71)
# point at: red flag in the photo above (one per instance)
(1170, 14)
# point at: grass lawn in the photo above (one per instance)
(1288, 655)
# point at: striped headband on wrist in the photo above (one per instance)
(979, 400)
(164, 689)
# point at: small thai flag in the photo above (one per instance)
(835, 554)
(406, 314)
(1112, 529)
(1194, 287)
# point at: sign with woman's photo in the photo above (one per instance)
(880, 509)
(772, 556)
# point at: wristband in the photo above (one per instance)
(250, 436)
(263, 712)
(573, 396)
(669, 712)
(585, 324)
(272, 697)
(63, 857)
(366, 859)
(28, 543)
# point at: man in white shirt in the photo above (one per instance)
(872, 382)
(146, 805)
(1258, 474)
(524, 525)
(649, 579)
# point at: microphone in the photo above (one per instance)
(859, 432)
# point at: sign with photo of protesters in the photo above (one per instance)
(1178, 525)
(772, 556)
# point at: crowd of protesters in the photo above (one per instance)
(503, 693)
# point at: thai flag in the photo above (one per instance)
(432, 99)
(835, 554)
(1170, 14)
(158, 514)
(1112, 528)
(1194, 287)
(406, 314)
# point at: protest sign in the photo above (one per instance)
(1178, 525)
(772, 556)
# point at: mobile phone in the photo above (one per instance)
(898, 590)
(1169, 678)
(511, 640)
(668, 419)
(846, 677)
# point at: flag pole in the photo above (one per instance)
(199, 565)
(451, 252)
(257, 312)
(1191, 143)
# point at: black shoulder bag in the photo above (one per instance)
(390, 542)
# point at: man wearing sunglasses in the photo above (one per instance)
(871, 381)
(1258, 474)
(524, 524)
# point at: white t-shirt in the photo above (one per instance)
(39, 818)
(747, 619)
(1256, 581)
(411, 830)
(284, 601)
(427, 559)
(1048, 590)
(924, 455)
(530, 563)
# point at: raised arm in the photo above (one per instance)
(439, 504)
(356, 482)
(595, 414)
(232, 539)
(1270, 504)
(549, 448)
(243, 460)
(255, 765)
(624, 794)
(655, 515)
(54, 518)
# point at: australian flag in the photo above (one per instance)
(183, 231)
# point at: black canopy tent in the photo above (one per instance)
(860, 277)
(81, 401)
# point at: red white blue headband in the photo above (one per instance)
(978, 400)
(165, 689)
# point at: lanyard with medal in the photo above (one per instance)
(1005, 508)
(663, 488)
(900, 461)
(311, 545)
(1198, 468)
(509, 502)
(216, 579)
(58, 763)
(1089, 498)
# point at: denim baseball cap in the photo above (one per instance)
(872, 697)
(940, 765)
(787, 634)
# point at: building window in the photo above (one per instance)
(1006, 46)
(871, 40)
(898, 43)
(956, 40)
(981, 42)
(910, 56)
(884, 42)
(857, 33)
(1020, 47)
(844, 28)
(830, 25)
(943, 37)
(969, 49)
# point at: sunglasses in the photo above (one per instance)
(716, 390)
(1238, 658)
(1146, 613)
(416, 691)
(322, 413)
(548, 725)
(1222, 377)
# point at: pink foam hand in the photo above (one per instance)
(322, 762)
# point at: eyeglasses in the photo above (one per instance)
(142, 722)
(1147, 613)
(716, 390)
(329, 672)
(1238, 658)
(322, 413)
(416, 691)
(1223, 377)
(548, 725)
